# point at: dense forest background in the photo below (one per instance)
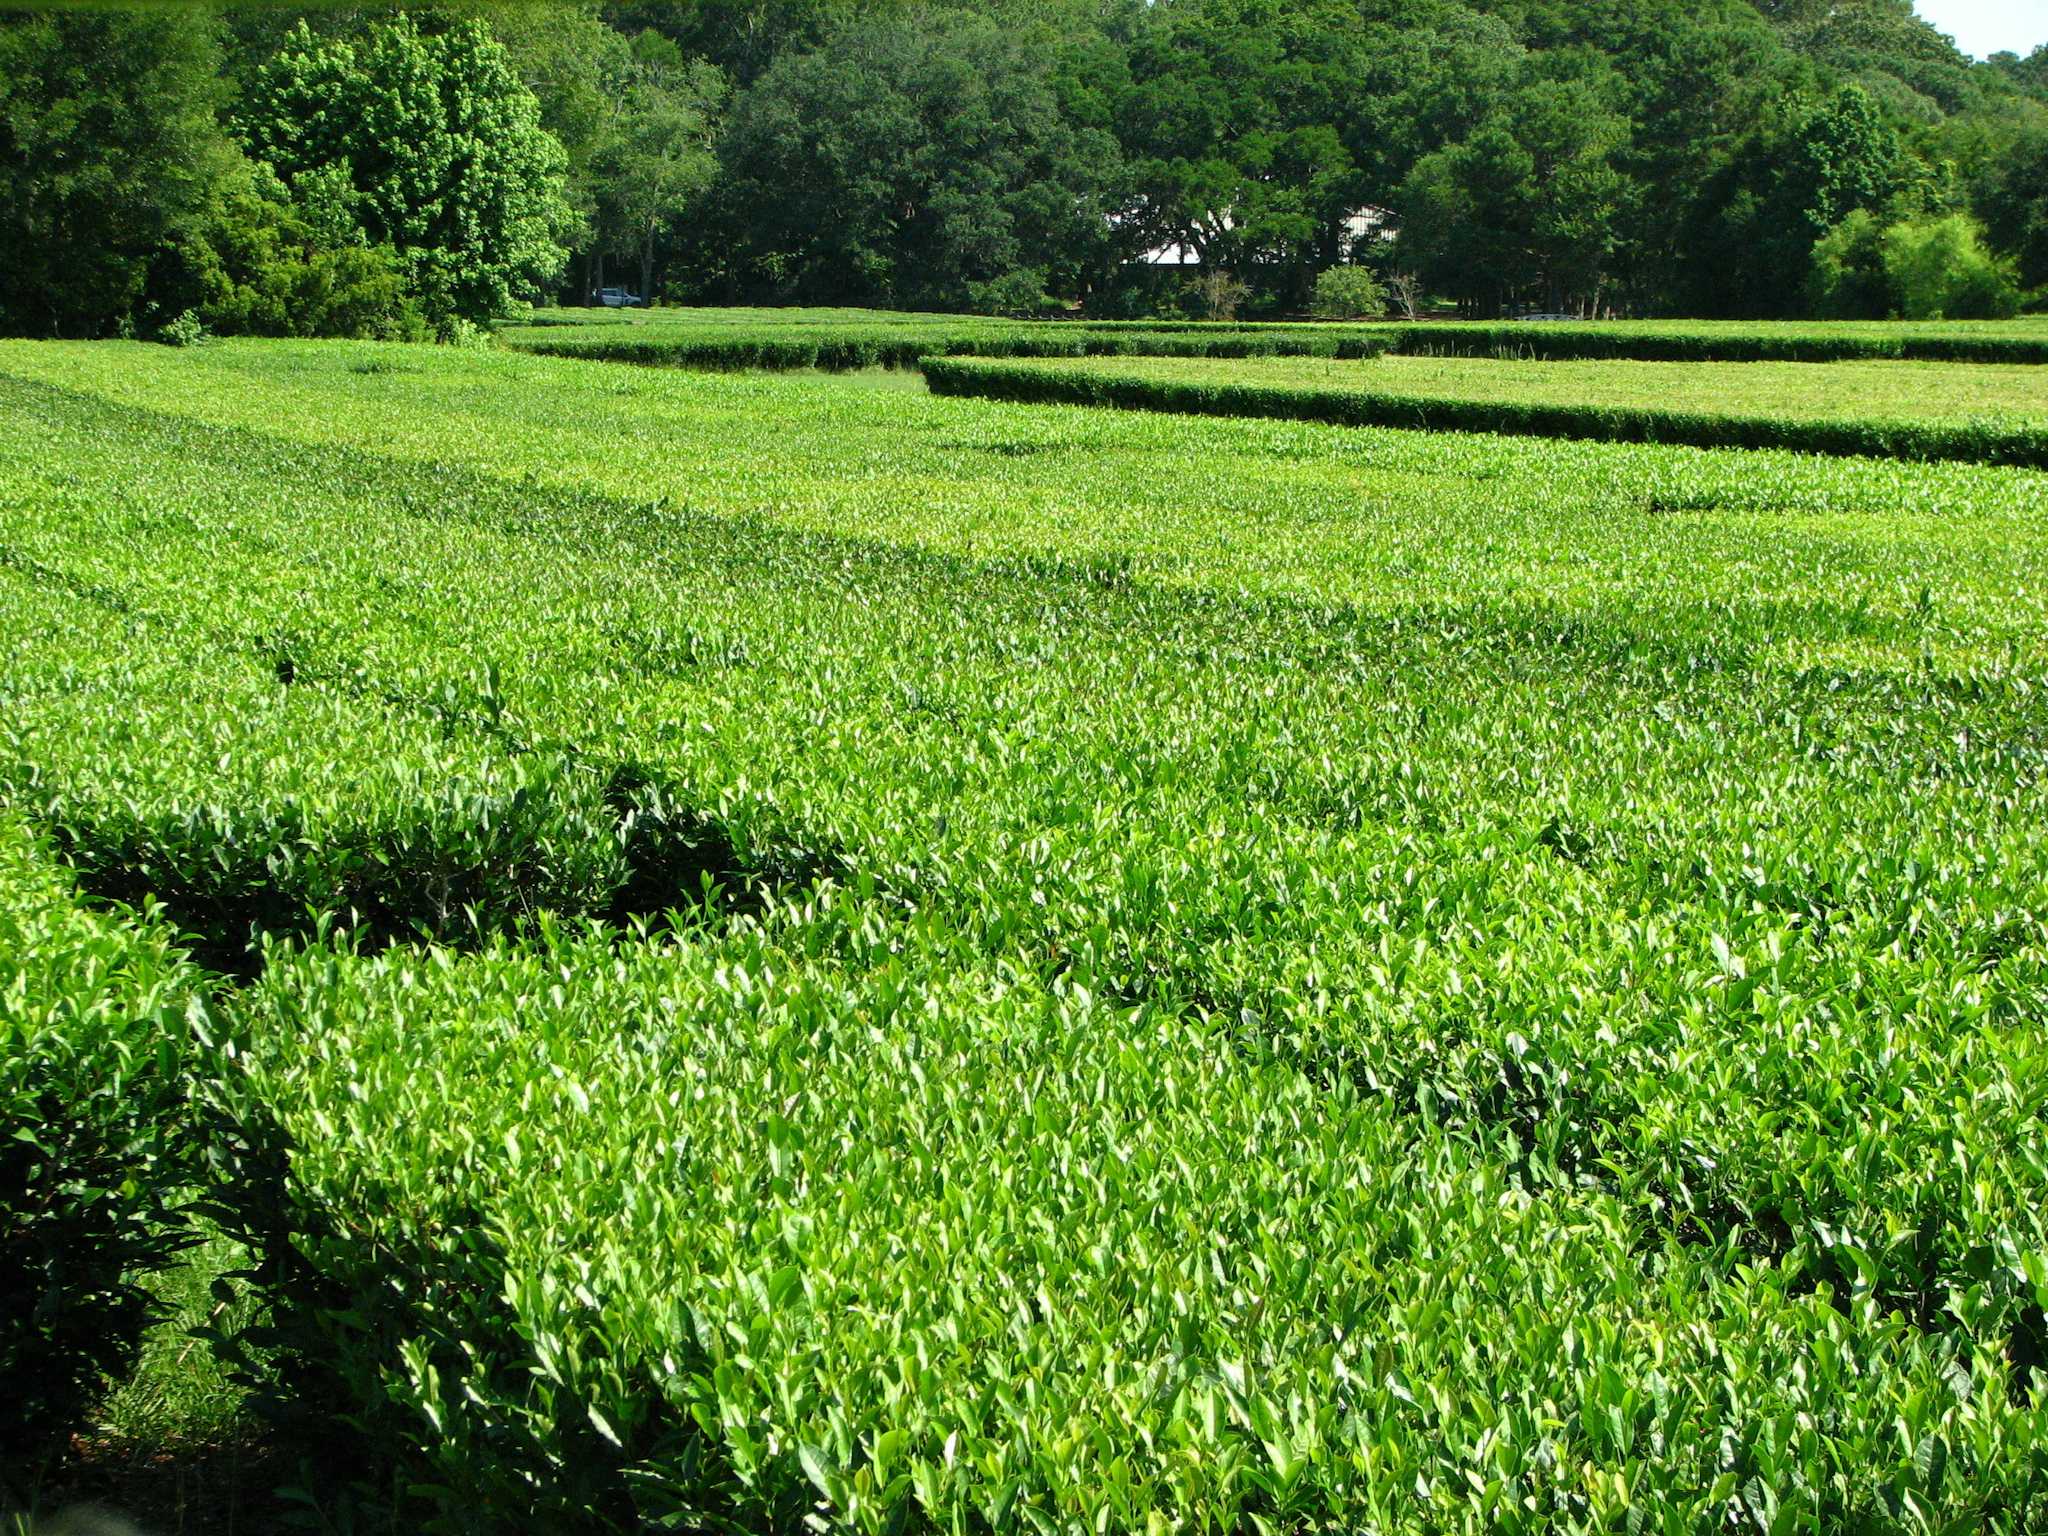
(405, 171)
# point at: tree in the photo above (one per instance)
(108, 150)
(1701, 84)
(1530, 202)
(2029, 74)
(1890, 52)
(1802, 172)
(1424, 80)
(910, 161)
(658, 156)
(435, 147)
(1234, 123)
(2016, 207)
(577, 68)
(1843, 155)
(744, 37)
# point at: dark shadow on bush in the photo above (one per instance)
(671, 859)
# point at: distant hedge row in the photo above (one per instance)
(1598, 344)
(1970, 441)
(891, 348)
(773, 345)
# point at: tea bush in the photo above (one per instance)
(1905, 416)
(101, 1019)
(1266, 974)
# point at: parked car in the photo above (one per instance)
(618, 298)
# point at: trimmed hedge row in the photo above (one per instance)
(100, 1015)
(1620, 341)
(1971, 442)
(839, 351)
(772, 343)
(1592, 343)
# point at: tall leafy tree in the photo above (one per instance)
(658, 155)
(1842, 155)
(109, 150)
(744, 37)
(1427, 76)
(1886, 47)
(922, 161)
(577, 67)
(1237, 125)
(1811, 163)
(2016, 207)
(2029, 74)
(432, 144)
(1529, 205)
(1700, 81)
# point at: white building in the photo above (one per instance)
(1366, 223)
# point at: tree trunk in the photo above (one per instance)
(647, 263)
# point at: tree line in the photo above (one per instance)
(431, 169)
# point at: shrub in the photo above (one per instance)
(1216, 295)
(1014, 293)
(187, 330)
(455, 331)
(1847, 280)
(96, 1035)
(1347, 293)
(1942, 271)
(263, 263)
(1981, 442)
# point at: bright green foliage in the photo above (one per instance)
(263, 268)
(1410, 989)
(1348, 293)
(1847, 279)
(798, 1234)
(430, 144)
(1940, 270)
(1905, 410)
(98, 1021)
(399, 823)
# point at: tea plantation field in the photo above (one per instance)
(858, 338)
(1990, 413)
(761, 952)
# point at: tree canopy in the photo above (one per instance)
(108, 155)
(1653, 157)
(426, 142)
